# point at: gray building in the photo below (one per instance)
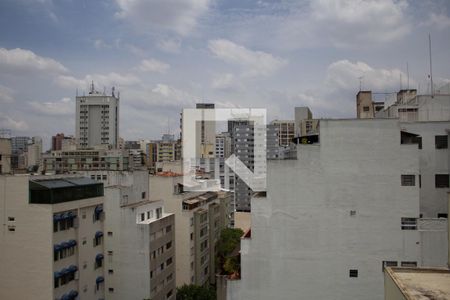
(97, 119)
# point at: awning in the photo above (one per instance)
(56, 217)
(72, 243)
(99, 257)
(65, 245)
(65, 216)
(72, 269)
(98, 234)
(56, 247)
(98, 209)
(56, 274)
(99, 279)
(65, 271)
(73, 294)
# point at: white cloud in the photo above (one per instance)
(100, 44)
(26, 60)
(13, 124)
(254, 63)
(179, 16)
(65, 106)
(440, 21)
(223, 81)
(153, 65)
(170, 45)
(6, 95)
(100, 80)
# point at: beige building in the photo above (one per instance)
(366, 108)
(199, 218)
(52, 238)
(5, 155)
(286, 131)
(416, 283)
(66, 161)
(304, 122)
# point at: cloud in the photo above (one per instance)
(170, 45)
(65, 106)
(100, 44)
(179, 16)
(223, 81)
(254, 63)
(440, 21)
(26, 60)
(100, 80)
(153, 65)
(6, 95)
(10, 123)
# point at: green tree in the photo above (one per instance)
(195, 292)
(228, 241)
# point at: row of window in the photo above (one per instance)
(161, 267)
(160, 250)
(440, 180)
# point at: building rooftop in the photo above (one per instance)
(168, 174)
(422, 283)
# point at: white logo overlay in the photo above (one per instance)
(201, 166)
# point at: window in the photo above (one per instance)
(205, 271)
(170, 277)
(162, 266)
(409, 223)
(408, 180)
(168, 228)
(148, 215)
(11, 219)
(192, 236)
(168, 245)
(353, 273)
(110, 233)
(158, 212)
(410, 264)
(111, 290)
(142, 216)
(441, 141)
(110, 271)
(143, 195)
(353, 213)
(442, 215)
(387, 263)
(366, 108)
(169, 261)
(441, 180)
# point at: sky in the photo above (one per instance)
(166, 55)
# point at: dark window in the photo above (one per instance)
(366, 108)
(441, 180)
(110, 271)
(168, 261)
(111, 290)
(169, 294)
(441, 141)
(353, 273)
(442, 216)
(387, 263)
(411, 264)
(168, 245)
(408, 180)
(169, 228)
(409, 223)
(143, 195)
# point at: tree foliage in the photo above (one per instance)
(195, 292)
(229, 240)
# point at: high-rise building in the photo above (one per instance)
(343, 210)
(205, 134)
(200, 217)
(286, 131)
(57, 141)
(5, 155)
(34, 152)
(97, 119)
(52, 240)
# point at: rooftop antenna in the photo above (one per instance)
(431, 66)
(360, 82)
(104, 91)
(76, 92)
(92, 88)
(407, 74)
(113, 89)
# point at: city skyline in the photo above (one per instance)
(165, 57)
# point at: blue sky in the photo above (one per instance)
(164, 55)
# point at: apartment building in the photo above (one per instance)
(34, 152)
(200, 216)
(139, 238)
(52, 238)
(66, 161)
(424, 120)
(347, 207)
(286, 131)
(97, 119)
(5, 155)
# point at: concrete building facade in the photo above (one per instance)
(334, 217)
(5, 155)
(97, 119)
(286, 131)
(51, 242)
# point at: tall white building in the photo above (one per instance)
(34, 151)
(97, 119)
(332, 219)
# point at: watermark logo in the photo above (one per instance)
(200, 164)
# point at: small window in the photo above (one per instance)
(409, 224)
(11, 219)
(353, 213)
(408, 180)
(110, 271)
(366, 108)
(110, 233)
(168, 245)
(441, 141)
(104, 177)
(168, 228)
(11, 228)
(111, 290)
(410, 264)
(142, 216)
(169, 261)
(143, 195)
(442, 215)
(441, 181)
(353, 273)
(388, 263)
